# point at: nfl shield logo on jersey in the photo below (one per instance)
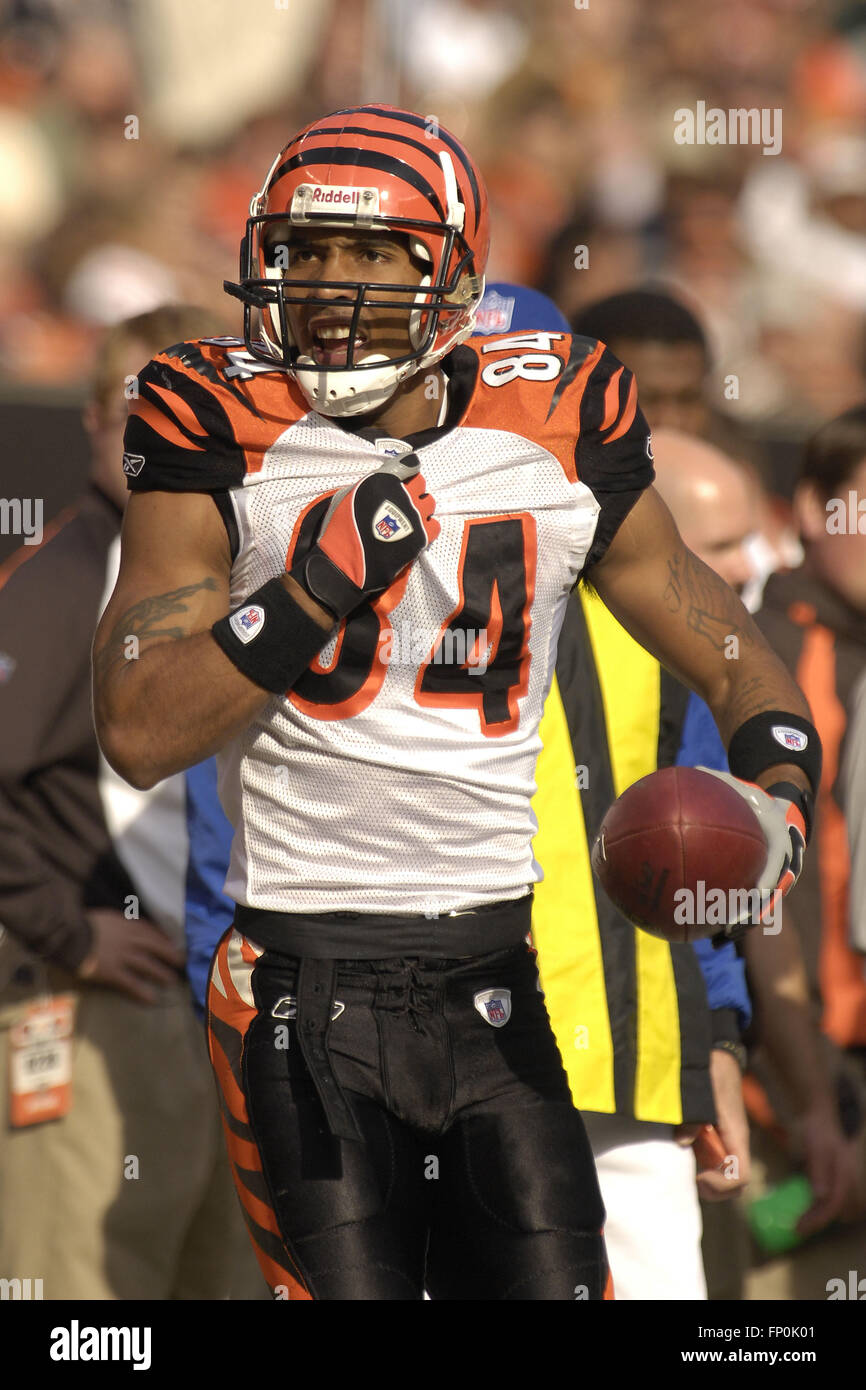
(494, 1005)
(390, 524)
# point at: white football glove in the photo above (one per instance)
(785, 832)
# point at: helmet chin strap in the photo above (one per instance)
(350, 393)
(331, 394)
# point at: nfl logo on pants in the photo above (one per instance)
(494, 1006)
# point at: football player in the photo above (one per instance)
(372, 676)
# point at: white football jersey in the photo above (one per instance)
(396, 775)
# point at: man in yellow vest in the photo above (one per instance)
(644, 1050)
(631, 1014)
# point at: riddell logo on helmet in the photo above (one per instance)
(335, 195)
(317, 197)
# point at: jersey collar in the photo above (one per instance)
(461, 369)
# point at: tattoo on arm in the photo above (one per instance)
(709, 606)
(144, 620)
(713, 612)
(750, 697)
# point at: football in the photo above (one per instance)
(679, 852)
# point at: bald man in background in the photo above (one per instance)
(734, 526)
(712, 500)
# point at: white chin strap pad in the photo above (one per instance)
(349, 393)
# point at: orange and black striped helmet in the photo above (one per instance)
(368, 167)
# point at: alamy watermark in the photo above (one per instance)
(22, 516)
(739, 126)
(20, 1289)
(853, 1288)
(465, 647)
(846, 516)
(77, 1343)
(714, 907)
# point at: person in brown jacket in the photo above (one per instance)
(113, 1179)
(815, 618)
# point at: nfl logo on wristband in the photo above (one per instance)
(789, 738)
(247, 622)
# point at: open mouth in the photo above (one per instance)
(330, 343)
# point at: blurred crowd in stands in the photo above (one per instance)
(133, 134)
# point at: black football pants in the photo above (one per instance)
(472, 1175)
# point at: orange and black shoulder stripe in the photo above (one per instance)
(584, 410)
(202, 420)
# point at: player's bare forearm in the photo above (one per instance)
(165, 695)
(694, 624)
(165, 698)
(165, 707)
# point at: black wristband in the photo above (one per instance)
(772, 738)
(270, 637)
(736, 1049)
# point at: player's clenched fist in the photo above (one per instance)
(369, 534)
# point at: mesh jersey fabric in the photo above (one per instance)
(385, 780)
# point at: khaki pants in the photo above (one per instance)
(73, 1212)
(736, 1271)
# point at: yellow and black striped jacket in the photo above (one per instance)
(629, 1011)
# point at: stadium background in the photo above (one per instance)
(132, 133)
